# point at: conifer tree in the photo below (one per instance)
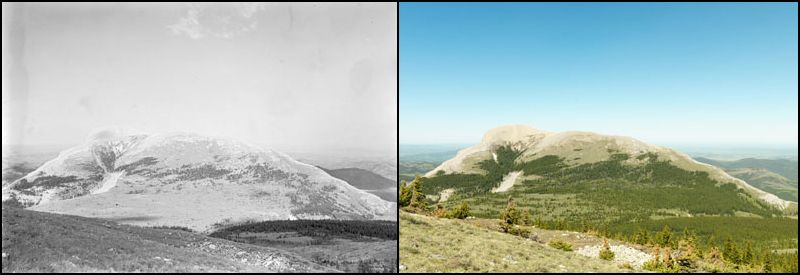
(418, 199)
(510, 216)
(526, 217)
(664, 238)
(730, 252)
(404, 196)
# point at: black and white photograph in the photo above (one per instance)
(199, 137)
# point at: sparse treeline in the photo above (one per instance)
(750, 245)
(411, 198)
(353, 229)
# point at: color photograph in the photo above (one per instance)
(598, 137)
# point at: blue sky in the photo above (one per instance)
(723, 74)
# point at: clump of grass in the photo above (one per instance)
(606, 253)
(520, 231)
(559, 244)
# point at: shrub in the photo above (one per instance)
(460, 212)
(440, 212)
(559, 244)
(526, 217)
(519, 231)
(606, 253)
(510, 215)
(652, 265)
(661, 264)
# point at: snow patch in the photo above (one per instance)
(109, 181)
(508, 182)
(445, 194)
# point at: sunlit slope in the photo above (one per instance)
(570, 165)
(439, 245)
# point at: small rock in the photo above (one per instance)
(5, 255)
(240, 253)
(212, 246)
(402, 267)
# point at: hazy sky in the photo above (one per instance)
(298, 76)
(663, 73)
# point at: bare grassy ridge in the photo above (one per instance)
(440, 245)
(45, 242)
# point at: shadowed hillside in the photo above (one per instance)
(45, 242)
(366, 181)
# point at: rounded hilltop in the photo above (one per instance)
(580, 147)
(119, 172)
(511, 133)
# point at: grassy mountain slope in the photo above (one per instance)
(768, 181)
(45, 242)
(599, 192)
(410, 169)
(438, 245)
(366, 181)
(776, 176)
(618, 197)
(783, 167)
(575, 149)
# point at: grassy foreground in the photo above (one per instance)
(46, 242)
(429, 244)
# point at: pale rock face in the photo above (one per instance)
(511, 134)
(188, 180)
(583, 147)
